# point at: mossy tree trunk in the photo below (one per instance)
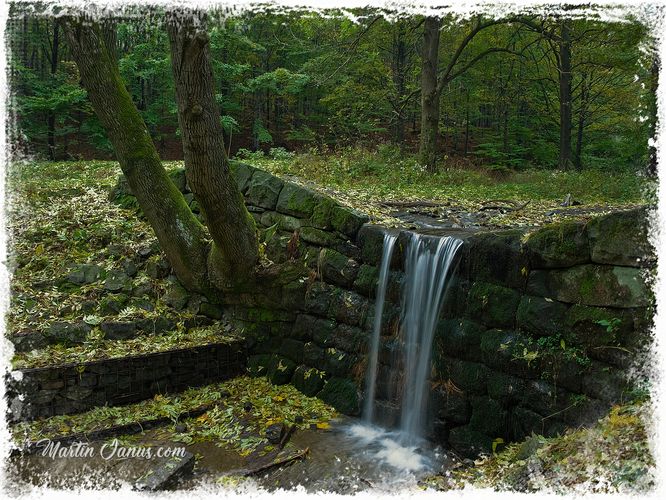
(235, 250)
(180, 234)
(429, 94)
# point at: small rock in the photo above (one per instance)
(274, 433)
(166, 473)
(299, 419)
(158, 269)
(112, 304)
(84, 273)
(210, 310)
(176, 297)
(247, 406)
(68, 333)
(180, 428)
(143, 290)
(225, 394)
(141, 303)
(88, 306)
(129, 267)
(118, 330)
(117, 281)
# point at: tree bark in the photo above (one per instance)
(584, 93)
(565, 95)
(235, 251)
(654, 85)
(429, 94)
(180, 234)
(51, 118)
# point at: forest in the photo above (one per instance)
(348, 250)
(516, 93)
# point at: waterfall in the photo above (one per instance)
(373, 353)
(427, 272)
(428, 268)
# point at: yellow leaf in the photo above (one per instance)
(39, 249)
(323, 425)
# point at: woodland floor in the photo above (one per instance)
(60, 217)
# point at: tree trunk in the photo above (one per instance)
(51, 117)
(232, 228)
(429, 94)
(584, 93)
(654, 85)
(399, 73)
(180, 234)
(565, 95)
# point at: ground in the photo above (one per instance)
(87, 277)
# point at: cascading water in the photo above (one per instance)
(429, 263)
(373, 353)
(427, 272)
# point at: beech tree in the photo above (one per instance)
(199, 265)
(434, 79)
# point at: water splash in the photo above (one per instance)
(373, 353)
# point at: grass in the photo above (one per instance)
(364, 178)
(613, 456)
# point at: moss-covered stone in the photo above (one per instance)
(469, 442)
(292, 349)
(337, 268)
(605, 383)
(284, 222)
(264, 190)
(321, 214)
(488, 417)
(319, 297)
(242, 173)
(494, 305)
(337, 362)
(505, 388)
(313, 355)
(622, 239)
(593, 285)
(323, 332)
(469, 377)
(371, 241)
(366, 280)
(558, 245)
(540, 316)
(66, 333)
(308, 380)
(280, 370)
(257, 365)
(347, 220)
(598, 326)
(497, 257)
(459, 337)
(349, 338)
(341, 394)
(318, 237)
(349, 307)
(296, 200)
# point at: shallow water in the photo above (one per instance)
(351, 456)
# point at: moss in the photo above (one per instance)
(341, 394)
(494, 305)
(559, 245)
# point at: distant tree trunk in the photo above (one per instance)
(51, 117)
(565, 94)
(399, 70)
(584, 94)
(429, 94)
(654, 85)
(180, 234)
(466, 122)
(232, 228)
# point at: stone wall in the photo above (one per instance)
(538, 333)
(57, 390)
